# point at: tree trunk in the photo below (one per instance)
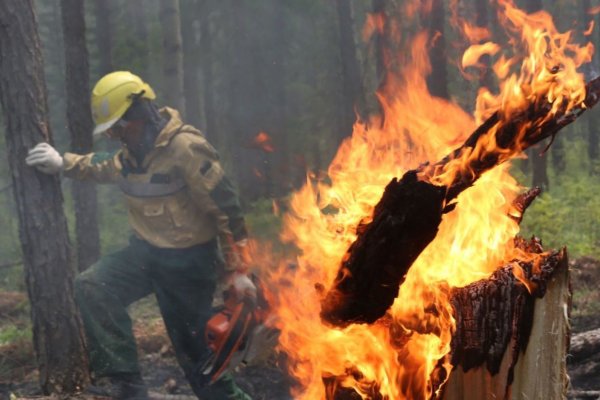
(169, 15)
(539, 161)
(80, 124)
(207, 74)
(438, 79)
(353, 100)
(102, 11)
(49, 269)
(137, 15)
(277, 163)
(482, 19)
(49, 18)
(191, 61)
(379, 42)
(593, 141)
(242, 80)
(593, 136)
(557, 151)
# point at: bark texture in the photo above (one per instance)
(80, 123)
(192, 55)
(378, 7)
(173, 95)
(438, 78)
(277, 162)
(206, 61)
(43, 230)
(531, 327)
(486, 77)
(353, 100)
(539, 158)
(102, 12)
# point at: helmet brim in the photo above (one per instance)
(101, 128)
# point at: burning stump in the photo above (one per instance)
(496, 319)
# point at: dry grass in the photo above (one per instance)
(17, 360)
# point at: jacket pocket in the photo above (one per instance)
(154, 209)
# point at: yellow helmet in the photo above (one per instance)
(112, 96)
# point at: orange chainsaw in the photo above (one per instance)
(236, 334)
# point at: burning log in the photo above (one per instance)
(496, 319)
(585, 345)
(407, 217)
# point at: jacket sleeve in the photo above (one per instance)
(212, 190)
(97, 167)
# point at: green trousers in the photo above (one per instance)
(183, 281)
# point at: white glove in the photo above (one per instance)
(45, 158)
(241, 285)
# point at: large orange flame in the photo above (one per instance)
(396, 356)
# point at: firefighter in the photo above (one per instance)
(187, 226)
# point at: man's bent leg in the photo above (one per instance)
(184, 284)
(103, 293)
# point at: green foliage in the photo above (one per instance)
(12, 278)
(569, 212)
(112, 218)
(262, 222)
(13, 333)
(586, 302)
(10, 248)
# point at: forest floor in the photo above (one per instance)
(266, 380)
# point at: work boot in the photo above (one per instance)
(120, 387)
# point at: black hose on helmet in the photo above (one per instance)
(147, 111)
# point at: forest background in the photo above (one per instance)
(276, 86)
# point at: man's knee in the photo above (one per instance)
(85, 285)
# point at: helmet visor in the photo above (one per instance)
(104, 126)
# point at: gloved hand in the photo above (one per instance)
(45, 158)
(237, 280)
(241, 286)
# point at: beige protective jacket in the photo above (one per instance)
(179, 197)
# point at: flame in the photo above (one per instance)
(395, 357)
(475, 33)
(475, 52)
(374, 24)
(589, 29)
(263, 141)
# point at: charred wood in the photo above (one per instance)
(404, 222)
(523, 201)
(534, 363)
(407, 217)
(492, 313)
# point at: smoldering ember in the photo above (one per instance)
(382, 200)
